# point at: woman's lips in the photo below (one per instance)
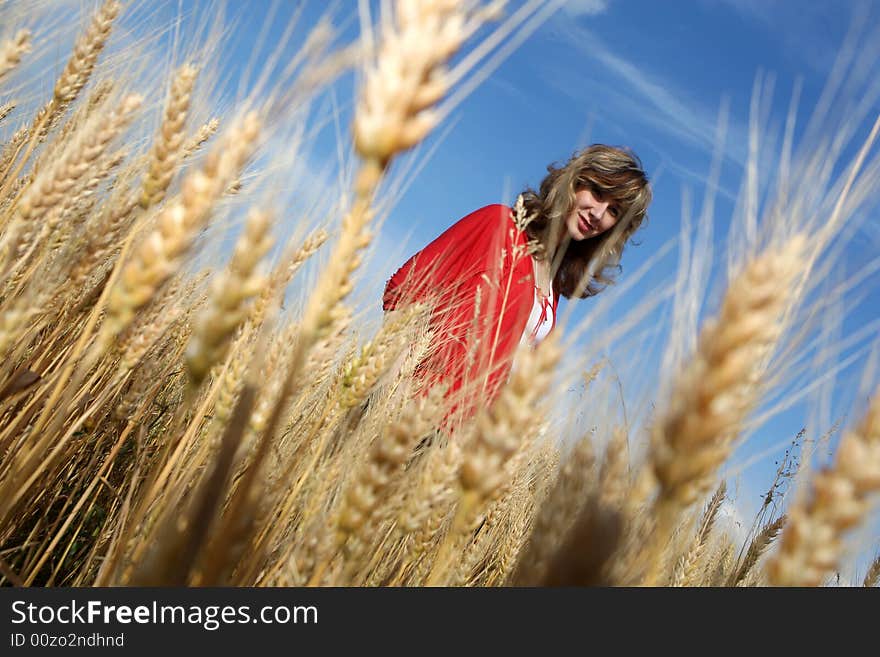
(583, 224)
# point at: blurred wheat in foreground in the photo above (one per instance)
(170, 423)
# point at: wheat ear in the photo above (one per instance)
(64, 222)
(361, 373)
(421, 519)
(85, 53)
(557, 514)
(519, 519)
(14, 320)
(106, 235)
(284, 271)
(718, 387)
(872, 577)
(614, 477)
(12, 50)
(100, 92)
(168, 146)
(686, 572)
(51, 187)
(226, 309)
(6, 109)
(714, 394)
(499, 432)
(72, 79)
(203, 134)
(811, 544)
(161, 252)
(369, 486)
(756, 548)
(400, 86)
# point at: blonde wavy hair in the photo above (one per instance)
(584, 268)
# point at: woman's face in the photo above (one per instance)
(591, 216)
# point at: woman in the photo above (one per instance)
(494, 279)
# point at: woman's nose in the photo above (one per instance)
(598, 209)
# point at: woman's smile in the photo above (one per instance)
(585, 225)
(591, 216)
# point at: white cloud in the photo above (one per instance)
(669, 109)
(585, 7)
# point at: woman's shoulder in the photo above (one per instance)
(483, 226)
(495, 215)
(498, 208)
(492, 212)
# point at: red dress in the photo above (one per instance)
(482, 255)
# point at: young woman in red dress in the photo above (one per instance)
(495, 281)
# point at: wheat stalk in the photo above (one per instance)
(390, 116)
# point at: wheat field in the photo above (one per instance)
(171, 415)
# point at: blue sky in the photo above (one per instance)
(651, 76)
